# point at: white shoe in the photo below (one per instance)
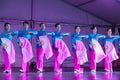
(107, 70)
(75, 71)
(7, 71)
(4, 71)
(22, 71)
(78, 71)
(93, 70)
(40, 70)
(58, 71)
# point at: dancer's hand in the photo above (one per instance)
(4, 45)
(29, 32)
(101, 36)
(21, 44)
(98, 36)
(111, 36)
(106, 46)
(41, 43)
(9, 33)
(80, 36)
(92, 45)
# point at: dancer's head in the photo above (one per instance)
(109, 31)
(77, 29)
(58, 26)
(94, 29)
(25, 24)
(7, 26)
(42, 26)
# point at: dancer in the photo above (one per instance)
(96, 51)
(43, 46)
(110, 51)
(8, 47)
(79, 50)
(24, 36)
(60, 49)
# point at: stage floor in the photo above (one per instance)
(65, 75)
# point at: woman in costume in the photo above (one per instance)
(110, 51)
(96, 51)
(24, 36)
(60, 49)
(43, 46)
(8, 47)
(79, 50)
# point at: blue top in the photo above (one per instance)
(8, 34)
(42, 33)
(95, 36)
(58, 34)
(25, 33)
(77, 36)
(110, 39)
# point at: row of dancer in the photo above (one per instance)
(96, 52)
(59, 49)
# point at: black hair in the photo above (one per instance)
(25, 22)
(93, 27)
(57, 24)
(109, 28)
(76, 27)
(6, 24)
(41, 24)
